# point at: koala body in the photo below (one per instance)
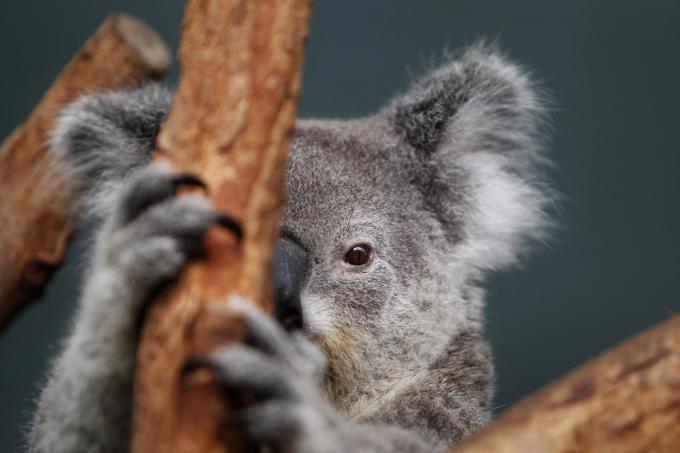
(399, 216)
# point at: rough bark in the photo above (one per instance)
(35, 206)
(231, 124)
(625, 401)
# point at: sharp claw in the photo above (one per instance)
(234, 422)
(196, 363)
(231, 224)
(186, 179)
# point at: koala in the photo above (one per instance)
(391, 224)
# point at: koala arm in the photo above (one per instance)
(86, 403)
(145, 242)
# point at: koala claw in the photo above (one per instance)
(151, 186)
(280, 372)
(153, 233)
(230, 223)
(187, 179)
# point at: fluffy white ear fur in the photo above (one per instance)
(479, 117)
(504, 213)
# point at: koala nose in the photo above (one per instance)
(290, 267)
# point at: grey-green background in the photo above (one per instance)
(613, 71)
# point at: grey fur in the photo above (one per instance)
(444, 184)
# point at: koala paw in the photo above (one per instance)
(152, 233)
(283, 371)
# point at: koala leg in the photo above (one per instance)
(283, 371)
(150, 235)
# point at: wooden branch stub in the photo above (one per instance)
(36, 201)
(231, 124)
(625, 401)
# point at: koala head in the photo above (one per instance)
(391, 221)
(401, 213)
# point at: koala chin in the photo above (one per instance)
(391, 224)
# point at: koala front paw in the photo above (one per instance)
(152, 233)
(283, 371)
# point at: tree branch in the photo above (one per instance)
(36, 200)
(231, 124)
(625, 401)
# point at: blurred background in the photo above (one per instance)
(612, 69)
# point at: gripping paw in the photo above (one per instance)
(282, 371)
(152, 232)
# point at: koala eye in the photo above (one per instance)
(358, 255)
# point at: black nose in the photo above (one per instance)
(290, 268)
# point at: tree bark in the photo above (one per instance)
(625, 401)
(36, 200)
(231, 124)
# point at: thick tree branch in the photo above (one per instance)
(35, 206)
(231, 124)
(625, 401)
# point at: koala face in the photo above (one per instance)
(349, 216)
(366, 232)
(366, 251)
(400, 214)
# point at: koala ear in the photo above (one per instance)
(101, 138)
(471, 131)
